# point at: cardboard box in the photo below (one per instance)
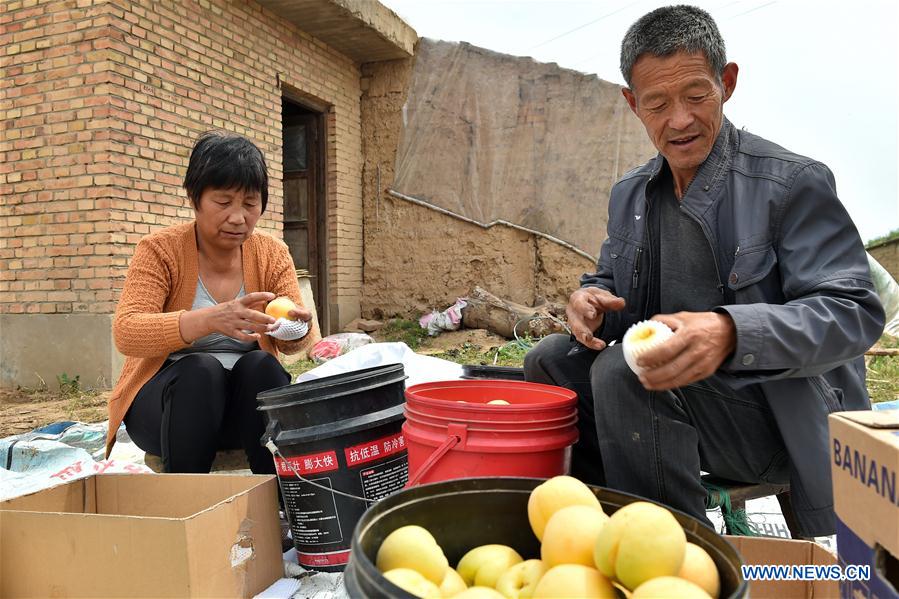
(771, 551)
(143, 535)
(864, 462)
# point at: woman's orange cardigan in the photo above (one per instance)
(160, 285)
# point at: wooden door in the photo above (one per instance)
(304, 200)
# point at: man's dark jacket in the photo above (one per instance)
(793, 275)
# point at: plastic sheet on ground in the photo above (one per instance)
(887, 405)
(300, 583)
(419, 369)
(888, 291)
(57, 454)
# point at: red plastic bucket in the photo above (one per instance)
(452, 432)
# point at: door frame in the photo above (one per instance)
(319, 147)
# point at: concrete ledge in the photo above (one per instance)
(364, 30)
(36, 347)
(342, 311)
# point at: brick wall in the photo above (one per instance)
(102, 101)
(58, 253)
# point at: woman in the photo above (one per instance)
(190, 320)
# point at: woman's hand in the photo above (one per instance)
(240, 319)
(293, 328)
(300, 314)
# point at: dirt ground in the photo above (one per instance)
(23, 410)
(444, 342)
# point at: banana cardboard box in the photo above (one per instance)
(864, 460)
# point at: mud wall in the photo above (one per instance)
(417, 259)
(887, 253)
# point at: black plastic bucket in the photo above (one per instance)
(333, 398)
(466, 513)
(482, 371)
(344, 434)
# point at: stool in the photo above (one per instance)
(731, 497)
(226, 459)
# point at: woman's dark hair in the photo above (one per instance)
(223, 160)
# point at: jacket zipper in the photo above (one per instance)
(637, 268)
(708, 238)
(648, 239)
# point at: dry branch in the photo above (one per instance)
(487, 311)
(877, 351)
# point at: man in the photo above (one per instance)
(745, 251)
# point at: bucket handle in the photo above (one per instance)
(457, 433)
(270, 445)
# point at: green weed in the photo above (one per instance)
(883, 373)
(68, 386)
(407, 331)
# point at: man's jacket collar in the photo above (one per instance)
(704, 187)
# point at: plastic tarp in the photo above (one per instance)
(888, 291)
(490, 137)
(59, 453)
(419, 369)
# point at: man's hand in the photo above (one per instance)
(702, 341)
(585, 311)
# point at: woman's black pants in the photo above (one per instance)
(193, 407)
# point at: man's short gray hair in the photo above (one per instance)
(671, 29)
